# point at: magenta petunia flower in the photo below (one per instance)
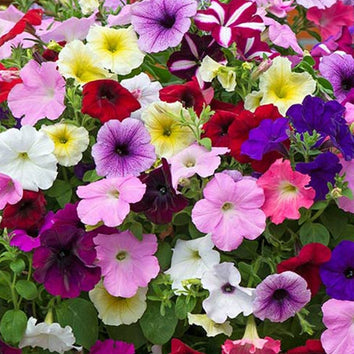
(123, 148)
(162, 23)
(230, 211)
(10, 190)
(279, 296)
(126, 262)
(109, 346)
(64, 262)
(108, 200)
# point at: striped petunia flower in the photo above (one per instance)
(226, 21)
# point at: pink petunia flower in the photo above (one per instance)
(348, 168)
(10, 190)
(283, 36)
(126, 262)
(338, 318)
(230, 211)
(285, 192)
(41, 95)
(108, 200)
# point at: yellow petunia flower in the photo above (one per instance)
(282, 87)
(211, 328)
(115, 49)
(167, 135)
(70, 142)
(115, 311)
(77, 61)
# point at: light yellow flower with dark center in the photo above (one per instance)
(282, 87)
(116, 49)
(69, 140)
(167, 135)
(77, 61)
(115, 311)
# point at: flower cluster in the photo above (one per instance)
(177, 176)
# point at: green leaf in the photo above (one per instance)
(137, 230)
(206, 142)
(59, 187)
(164, 254)
(182, 307)
(335, 220)
(81, 316)
(181, 218)
(156, 328)
(313, 232)
(18, 265)
(13, 325)
(26, 289)
(129, 334)
(91, 176)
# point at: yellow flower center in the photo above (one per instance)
(227, 206)
(121, 256)
(23, 156)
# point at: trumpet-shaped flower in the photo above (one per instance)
(27, 156)
(167, 135)
(108, 200)
(77, 61)
(112, 347)
(69, 140)
(211, 328)
(10, 191)
(40, 95)
(115, 311)
(115, 49)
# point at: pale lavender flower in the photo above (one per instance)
(280, 296)
(162, 23)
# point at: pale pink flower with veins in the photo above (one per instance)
(10, 190)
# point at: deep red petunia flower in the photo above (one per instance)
(312, 346)
(307, 264)
(216, 105)
(108, 99)
(9, 77)
(28, 214)
(178, 347)
(189, 94)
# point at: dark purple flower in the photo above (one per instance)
(109, 346)
(123, 148)
(64, 262)
(339, 71)
(321, 170)
(268, 136)
(279, 296)
(81, 168)
(194, 49)
(162, 23)
(338, 273)
(160, 200)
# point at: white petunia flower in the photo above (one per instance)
(143, 90)
(191, 259)
(211, 328)
(227, 298)
(48, 336)
(27, 156)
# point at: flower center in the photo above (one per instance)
(122, 150)
(114, 193)
(227, 206)
(190, 163)
(349, 273)
(347, 84)
(136, 93)
(162, 190)
(166, 132)
(228, 288)
(196, 256)
(280, 294)
(106, 94)
(167, 21)
(121, 256)
(23, 156)
(63, 253)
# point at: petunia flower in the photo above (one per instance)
(312, 346)
(226, 297)
(64, 262)
(10, 191)
(40, 95)
(28, 156)
(338, 318)
(178, 347)
(48, 336)
(230, 211)
(123, 148)
(112, 347)
(6, 349)
(320, 4)
(279, 296)
(115, 311)
(285, 192)
(211, 328)
(107, 99)
(88, 6)
(191, 259)
(126, 262)
(160, 200)
(115, 49)
(249, 48)
(69, 141)
(108, 200)
(226, 21)
(307, 264)
(9, 77)
(162, 23)
(343, 202)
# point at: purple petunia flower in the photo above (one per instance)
(267, 137)
(162, 23)
(160, 200)
(123, 148)
(338, 273)
(64, 262)
(321, 170)
(109, 346)
(280, 296)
